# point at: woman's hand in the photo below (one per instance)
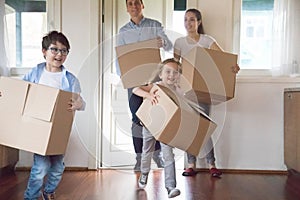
(236, 68)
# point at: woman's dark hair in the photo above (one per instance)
(199, 18)
(53, 37)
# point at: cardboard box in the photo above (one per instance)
(207, 75)
(138, 62)
(291, 128)
(174, 122)
(34, 117)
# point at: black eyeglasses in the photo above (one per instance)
(55, 51)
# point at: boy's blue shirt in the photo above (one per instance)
(68, 83)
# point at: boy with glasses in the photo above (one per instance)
(55, 48)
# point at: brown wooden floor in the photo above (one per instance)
(121, 185)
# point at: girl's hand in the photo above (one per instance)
(75, 103)
(236, 68)
(153, 97)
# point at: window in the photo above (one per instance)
(256, 34)
(178, 16)
(26, 24)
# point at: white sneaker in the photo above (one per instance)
(173, 192)
(143, 180)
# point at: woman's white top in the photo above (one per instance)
(184, 44)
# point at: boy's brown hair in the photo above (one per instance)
(54, 36)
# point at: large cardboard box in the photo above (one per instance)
(207, 75)
(174, 122)
(34, 117)
(291, 128)
(138, 62)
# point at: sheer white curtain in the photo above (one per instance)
(4, 70)
(286, 32)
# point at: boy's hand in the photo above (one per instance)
(75, 103)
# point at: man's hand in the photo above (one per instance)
(160, 42)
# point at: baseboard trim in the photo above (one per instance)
(66, 169)
(225, 171)
(247, 171)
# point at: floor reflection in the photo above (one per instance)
(141, 194)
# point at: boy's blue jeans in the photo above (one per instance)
(52, 166)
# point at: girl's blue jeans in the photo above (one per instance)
(52, 166)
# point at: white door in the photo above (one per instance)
(117, 147)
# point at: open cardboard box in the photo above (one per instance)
(138, 62)
(207, 75)
(174, 122)
(34, 117)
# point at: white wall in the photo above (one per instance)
(252, 135)
(218, 20)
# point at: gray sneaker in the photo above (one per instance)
(173, 192)
(143, 180)
(47, 196)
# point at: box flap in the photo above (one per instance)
(61, 124)
(155, 117)
(208, 74)
(137, 46)
(40, 102)
(138, 62)
(14, 94)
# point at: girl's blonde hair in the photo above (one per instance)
(169, 60)
(160, 67)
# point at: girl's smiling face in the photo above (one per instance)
(170, 74)
(55, 57)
